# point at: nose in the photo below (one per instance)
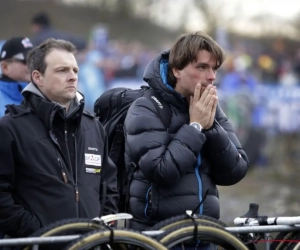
(73, 76)
(211, 75)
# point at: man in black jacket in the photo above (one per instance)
(179, 167)
(53, 154)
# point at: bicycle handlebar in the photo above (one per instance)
(114, 217)
(264, 220)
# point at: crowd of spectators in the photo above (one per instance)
(106, 61)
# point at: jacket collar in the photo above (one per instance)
(46, 110)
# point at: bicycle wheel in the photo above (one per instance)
(200, 219)
(184, 234)
(283, 240)
(65, 227)
(122, 239)
(295, 244)
(183, 219)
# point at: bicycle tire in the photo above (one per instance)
(183, 219)
(205, 232)
(121, 237)
(66, 227)
(295, 245)
(282, 239)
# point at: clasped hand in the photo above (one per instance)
(203, 106)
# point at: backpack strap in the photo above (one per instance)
(162, 107)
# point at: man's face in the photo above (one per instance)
(16, 70)
(203, 71)
(59, 82)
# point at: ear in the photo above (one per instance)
(37, 78)
(4, 65)
(176, 72)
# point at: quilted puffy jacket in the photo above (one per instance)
(177, 167)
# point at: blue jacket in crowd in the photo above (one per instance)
(10, 92)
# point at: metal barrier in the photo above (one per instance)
(37, 240)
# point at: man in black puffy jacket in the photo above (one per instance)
(178, 167)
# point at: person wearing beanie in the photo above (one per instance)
(15, 74)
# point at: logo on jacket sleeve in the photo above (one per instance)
(93, 160)
(158, 102)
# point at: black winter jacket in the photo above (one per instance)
(176, 166)
(51, 166)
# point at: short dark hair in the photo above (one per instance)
(36, 57)
(186, 48)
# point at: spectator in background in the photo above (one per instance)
(42, 29)
(237, 76)
(91, 77)
(296, 64)
(15, 73)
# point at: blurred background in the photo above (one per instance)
(258, 85)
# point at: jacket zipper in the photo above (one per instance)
(76, 177)
(67, 146)
(75, 170)
(119, 100)
(63, 172)
(199, 183)
(148, 201)
(110, 104)
(60, 163)
(77, 198)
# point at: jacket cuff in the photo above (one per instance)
(191, 137)
(217, 138)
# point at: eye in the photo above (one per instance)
(215, 69)
(202, 67)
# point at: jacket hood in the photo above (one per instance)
(156, 74)
(47, 110)
(31, 88)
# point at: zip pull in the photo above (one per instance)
(64, 176)
(63, 171)
(77, 194)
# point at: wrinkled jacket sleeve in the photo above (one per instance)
(229, 161)
(14, 219)
(148, 144)
(110, 178)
